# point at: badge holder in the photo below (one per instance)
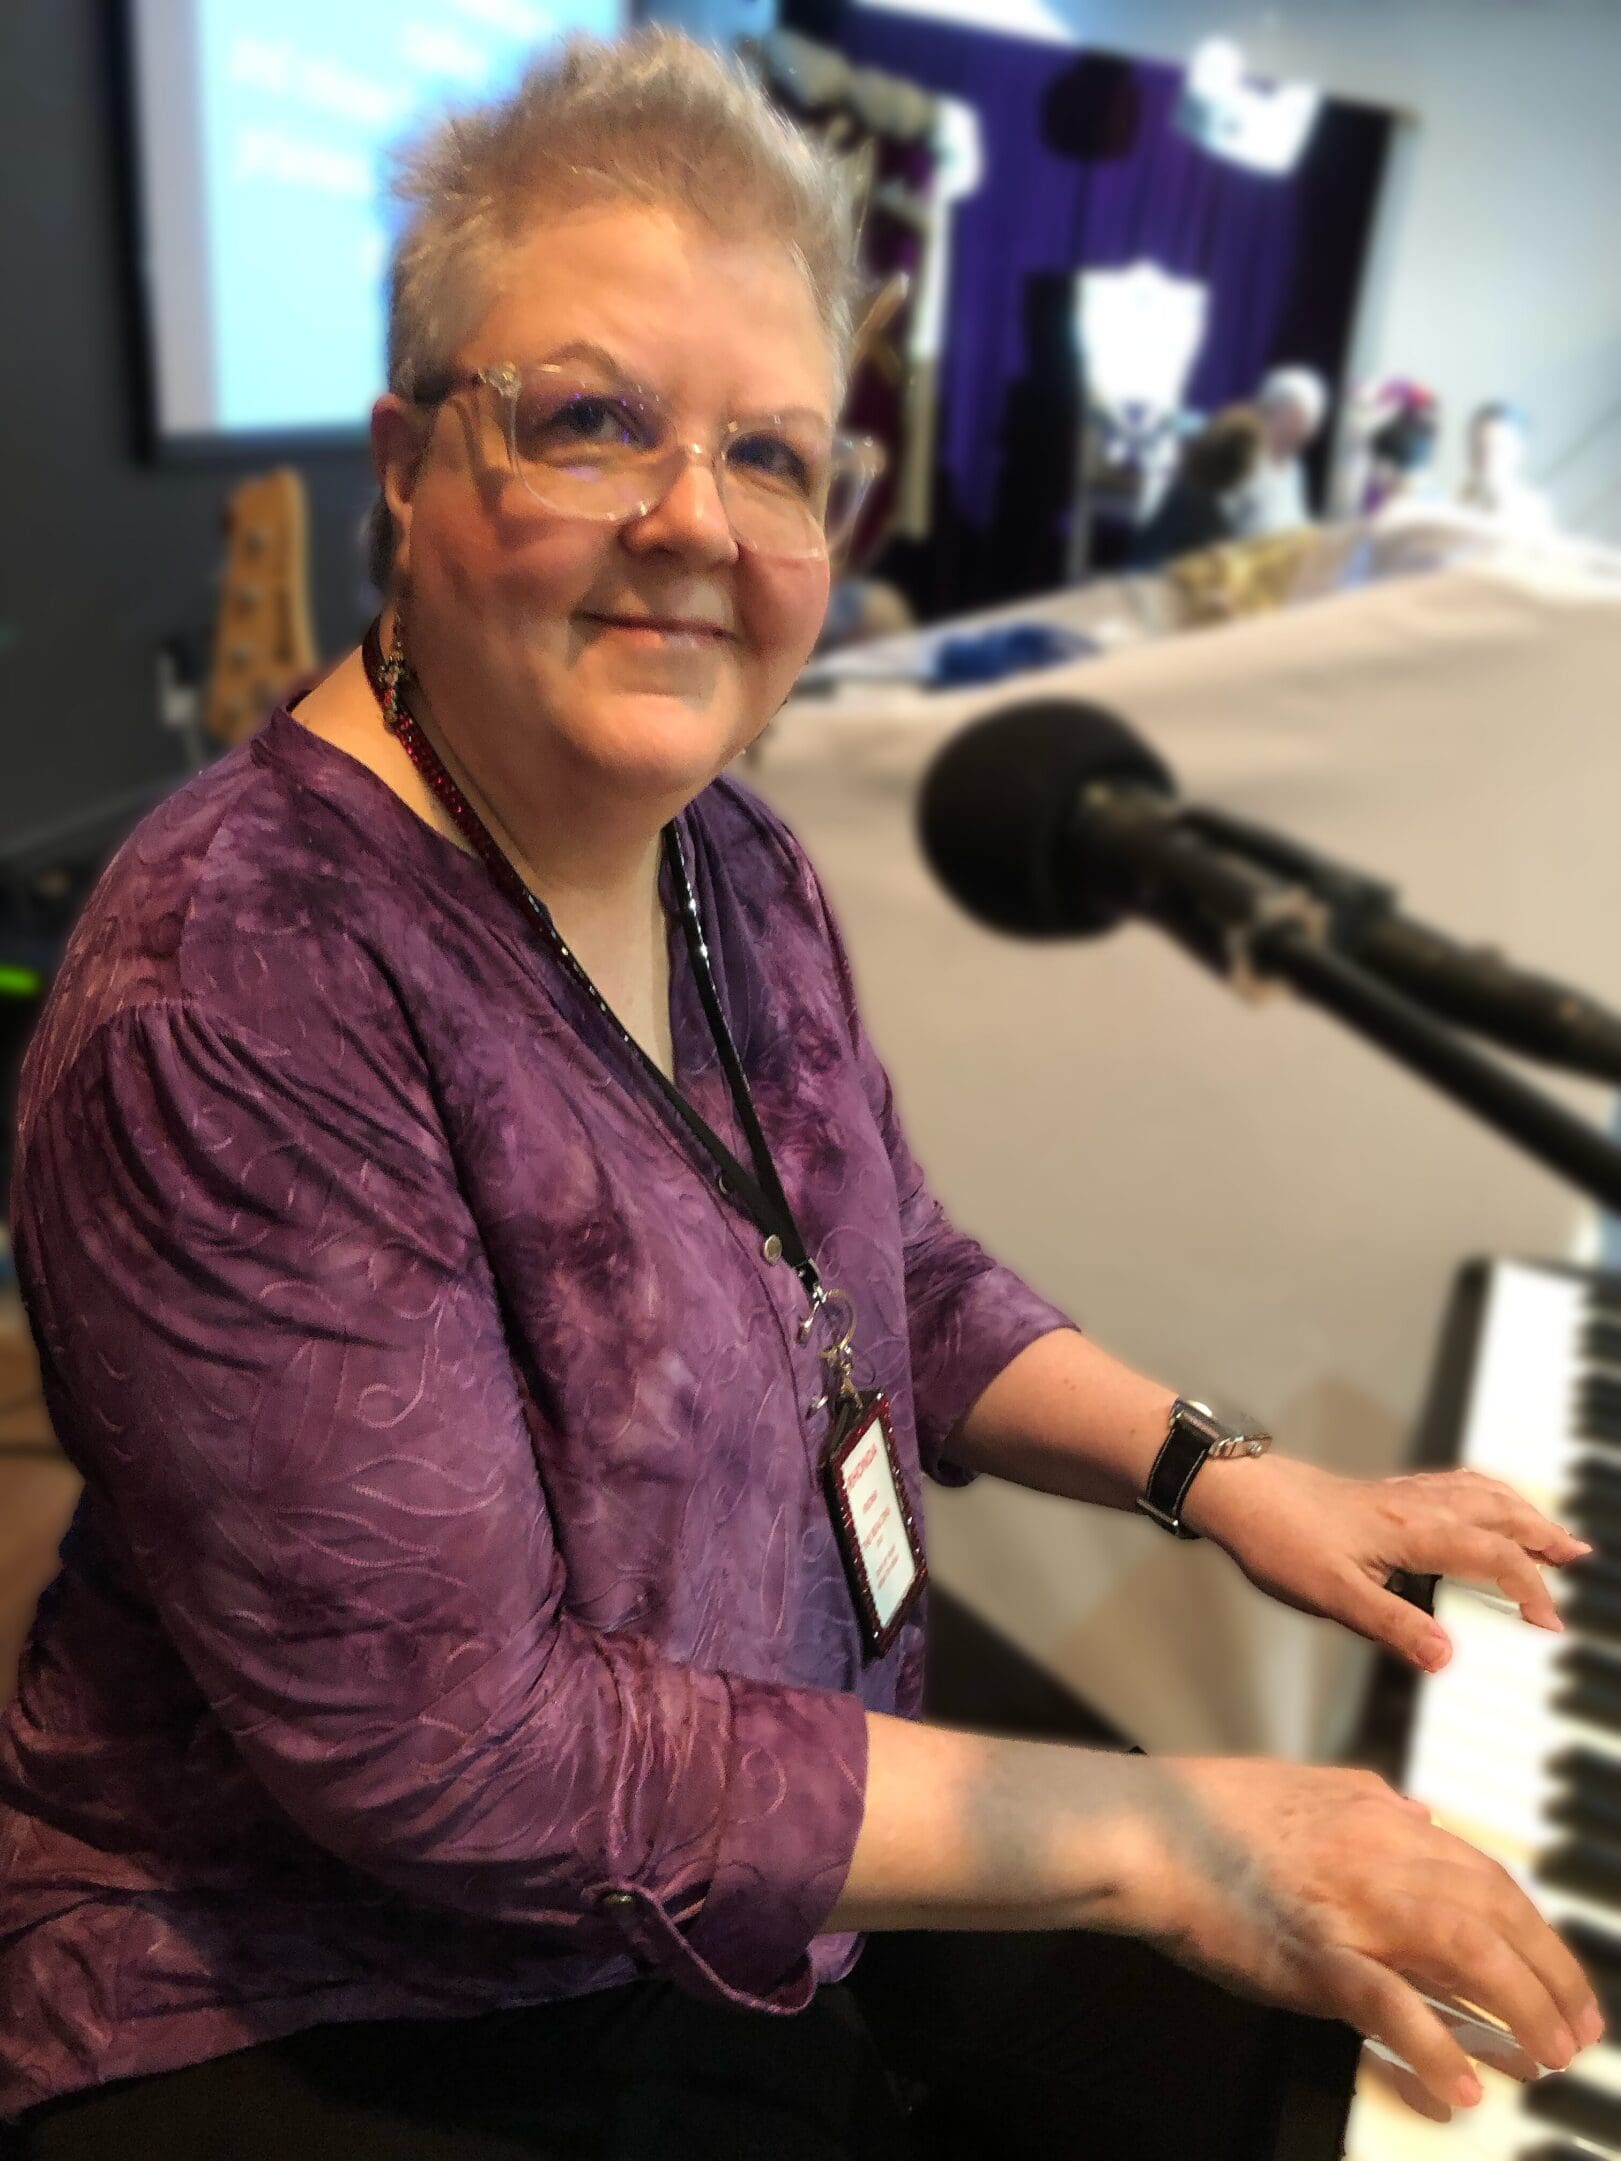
(872, 1518)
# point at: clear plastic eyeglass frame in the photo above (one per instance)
(854, 464)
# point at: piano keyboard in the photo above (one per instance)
(1516, 1744)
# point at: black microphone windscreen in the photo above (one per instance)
(996, 817)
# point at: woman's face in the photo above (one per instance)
(521, 621)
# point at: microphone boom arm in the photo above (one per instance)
(1474, 987)
(1254, 931)
(1519, 1112)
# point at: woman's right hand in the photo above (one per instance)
(1322, 1890)
(1328, 1892)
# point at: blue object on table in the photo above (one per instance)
(986, 656)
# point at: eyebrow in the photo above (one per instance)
(584, 349)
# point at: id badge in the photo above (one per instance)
(883, 1555)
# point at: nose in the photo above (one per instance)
(689, 517)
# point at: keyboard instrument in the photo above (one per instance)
(1516, 1744)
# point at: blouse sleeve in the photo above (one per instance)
(275, 1341)
(968, 1315)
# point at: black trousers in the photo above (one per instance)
(941, 2046)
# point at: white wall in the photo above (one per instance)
(1498, 271)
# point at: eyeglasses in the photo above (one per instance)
(607, 451)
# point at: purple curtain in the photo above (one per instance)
(1084, 170)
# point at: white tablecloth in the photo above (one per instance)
(1243, 1200)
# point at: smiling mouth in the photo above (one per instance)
(667, 628)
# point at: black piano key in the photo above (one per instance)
(1596, 1814)
(1577, 1661)
(1595, 1705)
(1600, 1955)
(1575, 2106)
(1599, 1476)
(1604, 1296)
(1600, 1572)
(1600, 1343)
(1587, 1771)
(1559, 2150)
(1589, 1669)
(1590, 1866)
(1601, 1527)
(1598, 1511)
(1592, 1706)
(1593, 1611)
(1596, 1432)
(1577, 1765)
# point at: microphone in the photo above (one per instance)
(1052, 819)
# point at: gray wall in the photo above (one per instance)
(103, 556)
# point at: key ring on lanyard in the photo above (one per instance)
(838, 1353)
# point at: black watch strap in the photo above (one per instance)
(1189, 1437)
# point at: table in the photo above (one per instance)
(1244, 1200)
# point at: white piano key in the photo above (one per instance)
(1485, 1730)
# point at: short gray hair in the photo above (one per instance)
(1303, 388)
(653, 118)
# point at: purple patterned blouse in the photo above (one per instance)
(452, 1551)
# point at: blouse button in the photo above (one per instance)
(772, 1249)
(723, 1184)
(617, 1901)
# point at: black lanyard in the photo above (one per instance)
(759, 1192)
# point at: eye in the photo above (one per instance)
(592, 419)
(558, 423)
(771, 458)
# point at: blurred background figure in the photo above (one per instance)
(1215, 481)
(1400, 423)
(1494, 482)
(1291, 405)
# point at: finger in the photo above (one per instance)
(1456, 1549)
(1381, 2068)
(1488, 1895)
(1384, 2008)
(1466, 1957)
(1399, 1625)
(1495, 1506)
(1553, 1962)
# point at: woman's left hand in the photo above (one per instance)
(1328, 1545)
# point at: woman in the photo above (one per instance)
(458, 1210)
(1202, 508)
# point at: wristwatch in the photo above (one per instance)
(1193, 1435)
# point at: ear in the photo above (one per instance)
(398, 440)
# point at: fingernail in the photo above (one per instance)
(1469, 2090)
(1582, 1545)
(1590, 2025)
(1435, 1653)
(1564, 2047)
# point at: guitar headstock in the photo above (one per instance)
(262, 638)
